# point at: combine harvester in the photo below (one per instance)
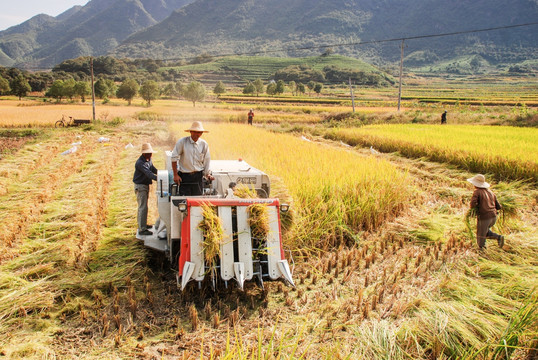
(241, 257)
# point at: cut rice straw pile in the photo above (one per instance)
(213, 233)
(258, 219)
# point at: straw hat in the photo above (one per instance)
(147, 149)
(197, 126)
(479, 181)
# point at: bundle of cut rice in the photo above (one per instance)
(213, 233)
(258, 219)
(244, 192)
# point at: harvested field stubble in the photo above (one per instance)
(33, 186)
(412, 287)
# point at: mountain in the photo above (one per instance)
(268, 26)
(94, 29)
(179, 29)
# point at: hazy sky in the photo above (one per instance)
(14, 12)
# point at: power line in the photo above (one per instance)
(361, 42)
(358, 43)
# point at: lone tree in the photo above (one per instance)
(300, 88)
(249, 88)
(169, 91)
(104, 88)
(280, 87)
(20, 86)
(271, 88)
(180, 89)
(149, 91)
(128, 90)
(318, 87)
(258, 84)
(4, 86)
(82, 88)
(194, 92)
(56, 90)
(219, 88)
(293, 87)
(69, 88)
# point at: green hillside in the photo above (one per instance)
(252, 67)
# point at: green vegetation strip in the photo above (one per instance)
(298, 100)
(506, 152)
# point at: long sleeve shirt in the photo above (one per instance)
(191, 156)
(145, 172)
(486, 202)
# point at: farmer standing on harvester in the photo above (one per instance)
(190, 161)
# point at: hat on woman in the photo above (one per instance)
(147, 149)
(197, 126)
(479, 181)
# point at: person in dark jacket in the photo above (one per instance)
(485, 201)
(443, 118)
(144, 174)
(250, 116)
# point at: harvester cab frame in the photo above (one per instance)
(242, 257)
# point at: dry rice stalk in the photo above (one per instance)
(244, 192)
(211, 227)
(216, 320)
(194, 317)
(258, 219)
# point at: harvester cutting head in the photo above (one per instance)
(244, 252)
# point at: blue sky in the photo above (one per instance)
(13, 12)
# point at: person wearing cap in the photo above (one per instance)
(190, 161)
(487, 205)
(443, 118)
(144, 174)
(250, 116)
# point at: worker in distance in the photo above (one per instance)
(190, 161)
(143, 176)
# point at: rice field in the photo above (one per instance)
(506, 152)
(385, 266)
(355, 193)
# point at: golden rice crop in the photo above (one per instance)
(337, 192)
(507, 152)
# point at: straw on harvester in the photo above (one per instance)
(244, 192)
(258, 214)
(258, 219)
(213, 234)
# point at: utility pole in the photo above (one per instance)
(401, 71)
(93, 88)
(352, 97)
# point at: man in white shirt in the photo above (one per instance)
(190, 161)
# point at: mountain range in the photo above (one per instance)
(180, 29)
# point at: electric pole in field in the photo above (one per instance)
(93, 88)
(401, 71)
(352, 97)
